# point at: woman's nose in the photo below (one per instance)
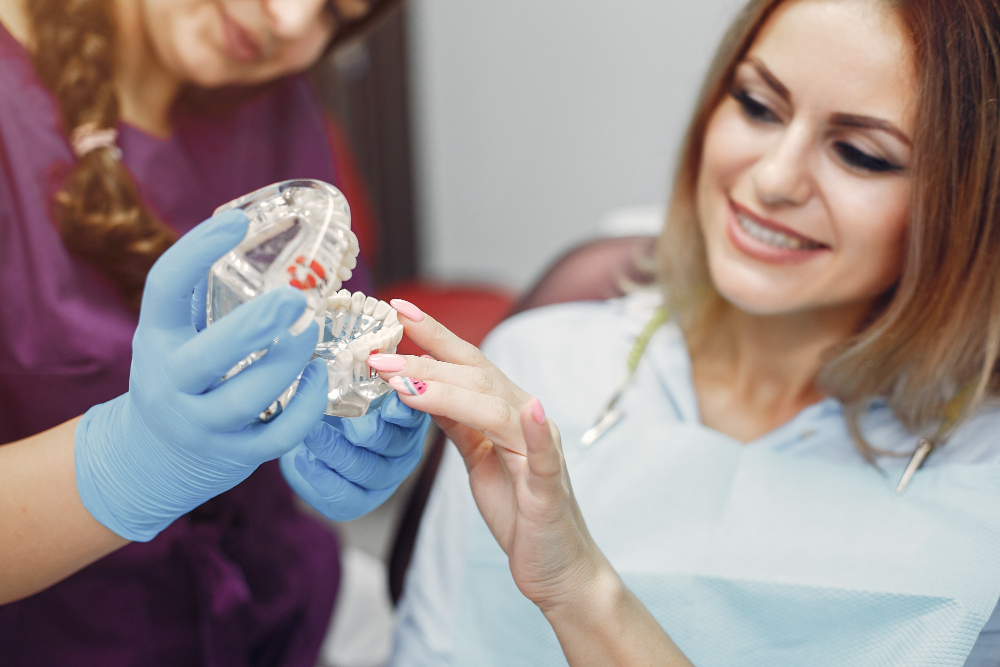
(783, 175)
(292, 18)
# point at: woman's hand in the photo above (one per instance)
(513, 455)
(521, 493)
(522, 488)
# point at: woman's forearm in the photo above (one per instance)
(46, 534)
(606, 624)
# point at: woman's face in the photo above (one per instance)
(804, 187)
(213, 43)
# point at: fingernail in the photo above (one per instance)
(408, 386)
(426, 356)
(537, 411)
(407, 310)
(389, 363)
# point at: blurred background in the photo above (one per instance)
(482, 141)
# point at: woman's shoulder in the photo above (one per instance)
(590, 323)
(977, 440)
(580, 342)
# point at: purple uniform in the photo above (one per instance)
(246, 579)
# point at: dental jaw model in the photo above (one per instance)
(356, 326)
(300, 235)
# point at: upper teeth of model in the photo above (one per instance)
(773, 237)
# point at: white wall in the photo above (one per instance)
(535, 119)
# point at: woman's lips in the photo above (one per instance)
(767, 241)
(241, 44)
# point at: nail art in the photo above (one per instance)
(387, 363)
(409, 386)
(537, 411)
(407, 310)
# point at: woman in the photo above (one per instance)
(122, 124)
(830, 267)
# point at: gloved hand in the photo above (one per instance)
(177, 438)
(348, 467)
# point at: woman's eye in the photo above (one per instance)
(753, 109)
(858, 159)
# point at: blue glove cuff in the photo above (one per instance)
(129, 481)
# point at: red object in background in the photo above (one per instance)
(469, 311)
(351, 183)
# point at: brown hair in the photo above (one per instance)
(938, 329)
(98, 211)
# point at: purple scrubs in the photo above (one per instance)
(246, 579)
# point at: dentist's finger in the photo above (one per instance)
(297, 420)
(239, 400)
(166, 300)
(199, 362)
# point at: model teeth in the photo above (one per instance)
(773, 237)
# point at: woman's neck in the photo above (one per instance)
(146, 89)
(754, 373)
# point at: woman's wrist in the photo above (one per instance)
(587, 597)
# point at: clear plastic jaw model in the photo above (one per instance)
(300, 235)
(356, 326)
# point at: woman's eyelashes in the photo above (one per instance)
(753, 109)
(857, 159)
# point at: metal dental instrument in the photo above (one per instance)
(952, 413)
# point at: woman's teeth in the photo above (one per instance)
(773, 237)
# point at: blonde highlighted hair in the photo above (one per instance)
(938, 329)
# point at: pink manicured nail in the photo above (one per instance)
(407, 310)
(409, 386)
(426, 356)
(388, 363)
(537, 411)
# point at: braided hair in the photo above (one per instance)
(98, 211)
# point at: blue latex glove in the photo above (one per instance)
(347, 467)
(176, 439)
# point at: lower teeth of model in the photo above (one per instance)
(772, 237)
(354, 326)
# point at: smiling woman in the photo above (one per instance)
(828, 307)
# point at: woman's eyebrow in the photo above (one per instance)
(869, 123)
(771, 80)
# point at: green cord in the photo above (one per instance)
(642, 340)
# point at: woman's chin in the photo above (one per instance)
(760, 298)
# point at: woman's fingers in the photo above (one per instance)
(492, 415)
(545, 460)
(432, 336)
(480, 379)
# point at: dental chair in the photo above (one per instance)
(597, 270)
